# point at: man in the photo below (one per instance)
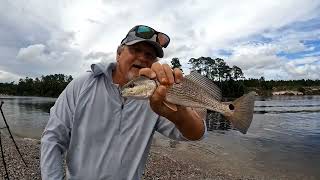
(104, 135)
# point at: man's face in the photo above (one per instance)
(134, 57)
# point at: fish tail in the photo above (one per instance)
(243, 112)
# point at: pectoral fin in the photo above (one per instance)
(171, 106)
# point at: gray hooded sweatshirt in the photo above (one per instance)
(101, 135)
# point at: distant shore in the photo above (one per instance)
(305, 91)
(287, 91)
(301, 92)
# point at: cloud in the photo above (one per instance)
(263, 38)
(98, 55)
(306, 68)
(8, 77)
(34, 54)
(258, 60)
(57, 55)
(278, 54)
(95, 22)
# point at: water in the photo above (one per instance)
(284, 137)
(291, 122)
(283, 141)
(26, 116)
(285, 134)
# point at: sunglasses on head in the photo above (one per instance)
(147, 32)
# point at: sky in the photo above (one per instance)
(278, 40)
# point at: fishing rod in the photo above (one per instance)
(5, 121)
(3, 160)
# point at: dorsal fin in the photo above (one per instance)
(206, 84)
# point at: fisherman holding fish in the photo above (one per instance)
(102, 124)
(104, 135)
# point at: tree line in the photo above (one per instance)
(217, 70)
(233, 83)
(46, 86)
(231, 80)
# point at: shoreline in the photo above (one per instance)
(161, 163)
(304, 91)
(30, 150)
(276, 91)
(167, 159)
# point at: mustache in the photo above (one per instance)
(139, 65)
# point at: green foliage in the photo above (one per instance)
(215, 69)
(8, 88)
(49, 86)
(232, 89)
(233, 83)
(301, 89)
(176, 63)
(219, 71)
(281, 83)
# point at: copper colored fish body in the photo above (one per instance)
(200, 93)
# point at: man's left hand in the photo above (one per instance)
(186, 119)
(167, 77)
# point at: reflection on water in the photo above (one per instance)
(26, 116)
(283, 141)
(288, 104)
(285, 134)
(215, 121)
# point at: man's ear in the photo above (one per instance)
(118, 56)
(119, 50)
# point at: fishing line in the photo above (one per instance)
(7, 127)
(3, 160)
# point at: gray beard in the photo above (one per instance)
(130, 76)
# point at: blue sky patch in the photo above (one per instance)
(224, 52)
(314, 44)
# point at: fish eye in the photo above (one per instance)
(131, 85)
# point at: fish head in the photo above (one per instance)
(139, 88)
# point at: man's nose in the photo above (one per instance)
(142, 56)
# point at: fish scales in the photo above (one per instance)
(189, 93)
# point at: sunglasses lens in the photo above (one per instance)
(145, 32)
(163, 40)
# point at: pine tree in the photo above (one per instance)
(176, 63)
